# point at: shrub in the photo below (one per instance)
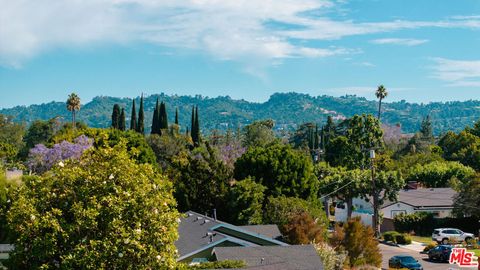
(358, 241)
(330, 258)
(227, 264)
(430, 246)
(303, 229)
(390, 236)
(403, 239)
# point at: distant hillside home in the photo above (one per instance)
(203, 238)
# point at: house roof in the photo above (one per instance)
(301, 257)
(199, 233)
(425, 197)
(270, 230)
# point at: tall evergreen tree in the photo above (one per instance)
(163, 116)
(192, 127)
(316, 143)
(426, 128)
(116, 116)
(122, 125)
(176, 116)
(155, 123)
(133, 119)
(141, 118)
(197, 127)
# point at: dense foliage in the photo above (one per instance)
(104, 211)
(283, 170)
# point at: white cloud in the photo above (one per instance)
(461, 73)
(230, 30)
(400, 41)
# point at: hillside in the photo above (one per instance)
(287, 109)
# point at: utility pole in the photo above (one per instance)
(375, 221)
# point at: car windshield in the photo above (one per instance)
(408, 260)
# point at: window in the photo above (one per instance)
(397, 212)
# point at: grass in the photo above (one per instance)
(477, 252)
(422, 239)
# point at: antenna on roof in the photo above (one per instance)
(215, 214)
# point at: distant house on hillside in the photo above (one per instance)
(203, 238)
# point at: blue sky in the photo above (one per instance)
(421, 50)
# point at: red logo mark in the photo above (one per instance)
(462, 257)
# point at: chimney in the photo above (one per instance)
(412, 185)
(215, 214)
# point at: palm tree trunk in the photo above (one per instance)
(379, 108)
(73, 119)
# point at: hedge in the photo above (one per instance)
(396, 237)
(423, 224)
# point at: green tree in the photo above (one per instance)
(439, 173)
(258, 134)
(141, 118)
(116, 116)
(381, 93)
(463, 147)
(176, 116)
(167, 148)
(287, 211)
(350, 149)
(426, 129)
(358, 241)
(133, 117)
(73, 105)
(163, 116)
(467, 200)
(39, 132)
(155, 120)
(283, 170)
(201, 181)
(102, 212)
(11, 135)
(122, 125)
(245, 200)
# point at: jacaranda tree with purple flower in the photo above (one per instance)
(42, 158)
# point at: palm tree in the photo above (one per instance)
(381, 93)
(73, 105)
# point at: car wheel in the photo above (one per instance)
(445, 241)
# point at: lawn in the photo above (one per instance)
(477, 252)
(422, 239)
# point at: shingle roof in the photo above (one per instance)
(197, 232)
(300, 257)
(193, 230)
(426, 197)
(270, 230)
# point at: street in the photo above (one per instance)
(390, 251)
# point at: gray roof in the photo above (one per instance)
(299, 257)
(426, 197)
(198, 232)
(192, 231)
(270, 230)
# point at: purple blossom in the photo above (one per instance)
(229, 153)
(41, 158)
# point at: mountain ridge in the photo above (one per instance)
(286, 109)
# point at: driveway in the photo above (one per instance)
(389, 251)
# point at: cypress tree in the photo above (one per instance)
(141, 116)
(122, 125)
(197, 127)
(116, 116)
(176, 116)
(133, 120)
(155, 124)
(163, 116)
(192, 128)
(316, 142)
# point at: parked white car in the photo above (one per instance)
(443, 235)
